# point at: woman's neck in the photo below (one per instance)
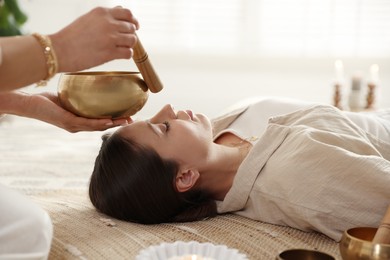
(227, 157)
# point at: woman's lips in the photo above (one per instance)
(189, 112)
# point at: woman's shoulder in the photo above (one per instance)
(260, 107)
(267, 104)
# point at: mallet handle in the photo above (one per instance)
(382, 235)
(142, 61)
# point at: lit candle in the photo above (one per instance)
(339, 68)
(374, 72)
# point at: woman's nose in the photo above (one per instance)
(167, 112)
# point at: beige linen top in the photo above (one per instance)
(313, 169)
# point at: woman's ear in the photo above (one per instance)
(185, 180)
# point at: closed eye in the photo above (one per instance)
(167, 126)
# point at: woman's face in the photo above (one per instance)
(179, 135)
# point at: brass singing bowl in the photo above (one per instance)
(356, 244)
(303, 254)
(102, 94)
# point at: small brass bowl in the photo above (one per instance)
(105, 94)
(356, 244)
(303, 254)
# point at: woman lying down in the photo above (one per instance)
(286, 162)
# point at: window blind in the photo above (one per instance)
(300, 28)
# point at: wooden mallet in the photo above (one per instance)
(146, 69)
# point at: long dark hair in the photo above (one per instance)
(132, 182)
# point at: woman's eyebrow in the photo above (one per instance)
(152, 127)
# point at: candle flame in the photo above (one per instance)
(374, 68)
(338, 65)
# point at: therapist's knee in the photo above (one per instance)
(26, 230)
(42, 227)
(33, 234)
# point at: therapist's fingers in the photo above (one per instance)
(124, 14)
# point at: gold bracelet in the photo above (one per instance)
(50, 56)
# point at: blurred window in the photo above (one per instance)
(300, 28)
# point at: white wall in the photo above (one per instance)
(208, 84)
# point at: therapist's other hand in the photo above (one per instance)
(47, 106)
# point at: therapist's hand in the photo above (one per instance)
(46, 107)
(99, 36)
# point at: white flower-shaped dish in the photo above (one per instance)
(178, 249)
